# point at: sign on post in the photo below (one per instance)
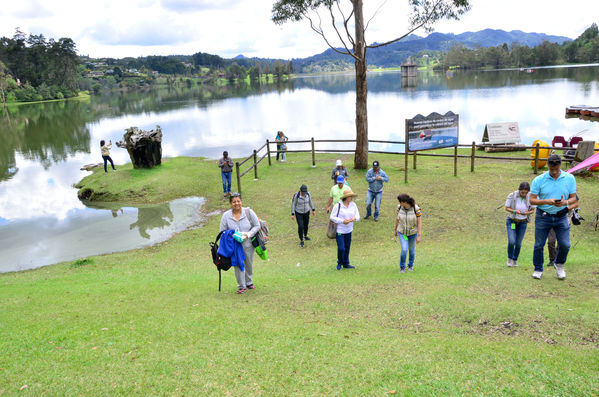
(501, 133)
(432, 132)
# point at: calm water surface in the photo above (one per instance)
(44, 145)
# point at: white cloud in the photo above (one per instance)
(231, 27)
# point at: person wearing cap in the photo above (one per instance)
(375, 178)
(336, 192)
(339, 170)
(344, 214)
(552, 193)
(226, 169)
(300, 209)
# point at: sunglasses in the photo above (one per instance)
(235, 195)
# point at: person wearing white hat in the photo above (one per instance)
(344, 214)
(339, 170)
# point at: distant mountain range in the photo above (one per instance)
(394, 54)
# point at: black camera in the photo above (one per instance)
(576, 218)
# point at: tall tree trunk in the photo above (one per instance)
(361, 156)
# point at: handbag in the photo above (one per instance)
(332, 227)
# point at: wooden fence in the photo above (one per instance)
(257, 157)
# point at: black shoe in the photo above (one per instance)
(348, 267)
(367, 216)
(376, 219)
(307, 238)
(301, 244)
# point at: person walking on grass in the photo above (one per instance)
(408, 227)
(336, 192)
(300, 209)
(552, 193)
(344, 214)
(339, 170)
(281, 140)
(226, 170)
(245, 221)
(375, 178)
(105, 149)
(519, 211)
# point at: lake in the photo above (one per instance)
(45, 145)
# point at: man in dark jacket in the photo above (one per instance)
(226, 169)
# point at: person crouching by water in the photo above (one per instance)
(344, 214)
(106, 153)
(520, 210)
(408, 227)
(245, 221)
(300, 209)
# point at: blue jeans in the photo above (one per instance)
(407, 246)
(343, 246)
(226, 176)
(376, 197)
(562, 231)
(108, 158)
(514, 238)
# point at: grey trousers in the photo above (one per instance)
(244, 278)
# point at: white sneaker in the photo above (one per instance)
(536, 274)
(559, 269)
(514, 263)
(509, 262)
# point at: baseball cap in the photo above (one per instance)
(340, 179)
(338, 163)
(375, 163)
(304, 188)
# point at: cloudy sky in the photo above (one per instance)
(231, 27)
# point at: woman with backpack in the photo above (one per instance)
(408, 227)
(519, 211)
(245, 221)
(300, 209)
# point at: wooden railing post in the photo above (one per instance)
(238, 177)
(268, 151)
(455, 161)
(537, 159)
(255, 165)
(406, 164)
(415, 160)
(472, 157)
(313, 155)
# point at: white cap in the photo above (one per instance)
(339, 163)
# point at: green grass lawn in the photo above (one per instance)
(152, 322)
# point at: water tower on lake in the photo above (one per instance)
(409, 73)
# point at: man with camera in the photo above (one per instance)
(552, 193)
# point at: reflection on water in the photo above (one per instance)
(93, 230)
(43, 146)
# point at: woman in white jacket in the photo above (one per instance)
(344, 214)
(519, 211)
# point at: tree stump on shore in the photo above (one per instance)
(144, 147)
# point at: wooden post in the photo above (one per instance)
(406, 141)
(313, 155)
(455, 161)
(268, 151)
(255, 166)
(537, 159)
(415, 160)
(238, 177)
(472, 158)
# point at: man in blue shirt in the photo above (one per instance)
(552, 192)
(375, 178)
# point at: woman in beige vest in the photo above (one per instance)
(408, 227)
